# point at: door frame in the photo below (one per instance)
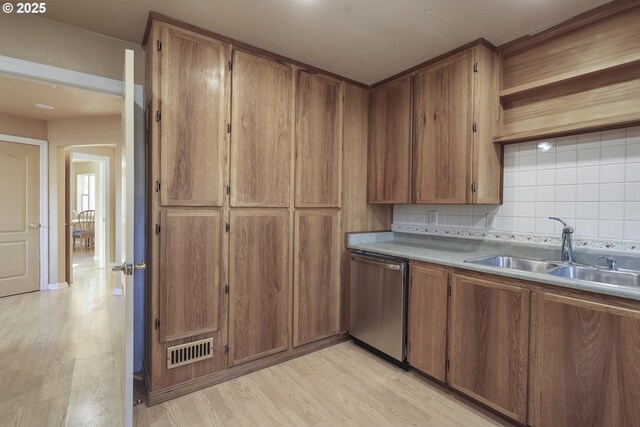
(105, 165)
(49, 74)
(44, 201)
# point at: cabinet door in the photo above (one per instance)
(489, 343)
(259, 284)
(260, 131)
(389, 163)
(191, 295)
(427, 319)
(586, 364)
(316, 276)
(443, 125)
(193, 115)
(318, 141)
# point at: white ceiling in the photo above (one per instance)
(365, 40)
(19, 97)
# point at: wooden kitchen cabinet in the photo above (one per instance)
(259, 284)
(316, 301)
(389, 157)
(427, 319)
(318, 138)
(489, 343)
(586, 363)
(192, 111)
(192, 299)
(261, 109)
(455, 114)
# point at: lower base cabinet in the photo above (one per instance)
(427, 319)
(489, 343)
(586, 364)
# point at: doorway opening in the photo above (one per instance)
(91, 197)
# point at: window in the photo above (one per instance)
(86, 192)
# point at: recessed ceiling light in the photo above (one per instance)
(45, 106)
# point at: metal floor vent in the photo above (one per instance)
(188, 353)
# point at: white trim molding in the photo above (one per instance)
(44, 201)
(57, 286)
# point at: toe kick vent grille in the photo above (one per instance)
(188, 353)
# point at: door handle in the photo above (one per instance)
(385, 265)
(128, 269)
(33, 225)
(141, 266)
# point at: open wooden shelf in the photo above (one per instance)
(583, 80)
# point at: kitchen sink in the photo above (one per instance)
(516, 263)
(591, 274)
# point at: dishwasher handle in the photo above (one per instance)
(381, 264)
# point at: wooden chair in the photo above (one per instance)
(85, 228)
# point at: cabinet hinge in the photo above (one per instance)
(447, 365)
(449, 290)
(226, 289)
(230, 65)
(228, 127)
(157, 186)
(158, 116)
(474, 187)
(475, 67)
(227, 189)
(227, 227)
(475, 127)
(157, 228)
(157, 324)
(158, 45)
(226, 349)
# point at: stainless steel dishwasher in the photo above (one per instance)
(377, 305)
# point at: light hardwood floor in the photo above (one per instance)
(60, 358)
(60, 355)
(338, 386)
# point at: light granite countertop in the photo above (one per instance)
(453, 252)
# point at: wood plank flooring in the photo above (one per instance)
(339, 386)
(60, 354)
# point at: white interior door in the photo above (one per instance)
(127, 268)
(19, 218)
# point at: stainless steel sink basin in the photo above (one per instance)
(515, 263)
(611, 277)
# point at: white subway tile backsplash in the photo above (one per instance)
(611, 229)
(612, 192)
(587, 175)
(586, 193)
(632, 192)
(612, 173)
(611, 211)
(632, 172)
(591, 181)
(587, 210)
(589, 157)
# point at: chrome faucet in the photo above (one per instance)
(567, 244)
(611, 262)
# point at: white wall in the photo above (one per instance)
(592, 181)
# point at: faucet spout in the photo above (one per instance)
(567, 243)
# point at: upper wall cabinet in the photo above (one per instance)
(318, 140)
(443, 123)
(193, 113)
(389, 163)
(581, 76)
(260, 131)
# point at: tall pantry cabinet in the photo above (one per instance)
(244, 169)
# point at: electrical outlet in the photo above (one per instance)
(432, 217)
(491, 222)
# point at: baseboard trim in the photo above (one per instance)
(163, 395)
(57, 286)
